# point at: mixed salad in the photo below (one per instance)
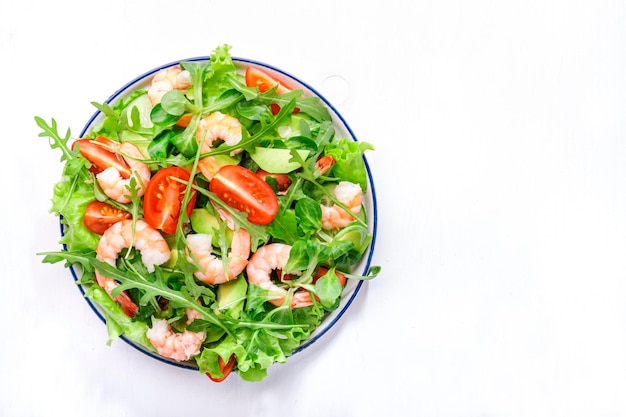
(213, 215)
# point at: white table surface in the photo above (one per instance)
(500, 169)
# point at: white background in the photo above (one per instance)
(500, 175)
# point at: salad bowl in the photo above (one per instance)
(342, 130)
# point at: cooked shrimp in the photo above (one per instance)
(149, 242)
(266, 259)
(211, 267)
(114, 184)
(335, 217)
(168, 79)
(192, 315)
(146, 239)
(177, 346)
(214, 127)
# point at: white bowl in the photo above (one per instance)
(342, 130)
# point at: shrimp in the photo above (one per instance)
(335, 217)
(212, 269)
(150, 243)
(112, 182)
(212, 128)
(266, 259)
(168, 79)
(177, 346)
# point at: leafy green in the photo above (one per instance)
(117, 322)
(284, 227)
(328, 289)
(70, 198)
(132, 277)
(74, 166)
(309, 214)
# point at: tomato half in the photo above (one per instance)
(99, 216)
(256, 77)
(163, 199)
(245, 191)
(101, 158)
(226, 368)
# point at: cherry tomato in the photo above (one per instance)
(101, 158)
(256, 77)
(226, 368)
(99, 216)
(245, 191)
(163, 199)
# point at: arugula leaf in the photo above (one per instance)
(307, 105)
(258, 234)
(132, 278)
(112, 124)
(78, 257)
(73, 164)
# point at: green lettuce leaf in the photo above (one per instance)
(70, 198)
(117, 322)
(350, 165)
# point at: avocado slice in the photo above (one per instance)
(276, 160)
(144, 107)
(202, 221)
(231, 296)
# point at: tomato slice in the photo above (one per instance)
(163, 199)
(99, 216)
(245, 191)
(96, 151)
(256, 77)
(226, 368)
